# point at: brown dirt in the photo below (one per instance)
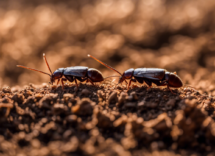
(105, 119)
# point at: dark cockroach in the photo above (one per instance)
(71, 74)
(160, 77)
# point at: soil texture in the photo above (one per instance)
(105, 119)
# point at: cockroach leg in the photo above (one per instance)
(88, 80)
(76, 83)
(163, 83)
(82, 79)
(63, 79)
(171, 90)
(149, 87)
(129, 85)
(131, 80)
(58, 81)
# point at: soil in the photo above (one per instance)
(107, 119)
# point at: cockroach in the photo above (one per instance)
(71, 74)
(160, 77)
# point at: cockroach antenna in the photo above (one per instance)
(111, 76)
(106, 65)
(44, 56)
(32, 69)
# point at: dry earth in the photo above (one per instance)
(105, 119)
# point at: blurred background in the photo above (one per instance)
(175, 35)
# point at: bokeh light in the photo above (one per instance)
(175, 35)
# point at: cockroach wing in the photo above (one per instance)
(150, 73)
(76, 71)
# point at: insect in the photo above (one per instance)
(71, 74)
(160, 77)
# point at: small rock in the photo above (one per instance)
(70, 146)
(38, 96)
(67, 97)
(6, 90)
(27, 93)
(19, 98)
(141, 104)
(122, 99)
(35, 143)
(151, 105)
(67, 134)
(6, 100)
(121, 121)
(45, 85)
(30, 100)
(130, 104)
(104, 120)
(171, 103)
(76, 89)
(85, 92)
(113, 99)
(59, 109)
(48, 100)
(134, 96)
(53, 87)
(5, 109)
(161, 123)
(83, 107)
(72, 119)
(129, 143)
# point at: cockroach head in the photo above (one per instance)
(52, 79)
(121, 79)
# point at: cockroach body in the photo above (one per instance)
(160, 77)
(80, 73)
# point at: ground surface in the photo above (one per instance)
(106, 119)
